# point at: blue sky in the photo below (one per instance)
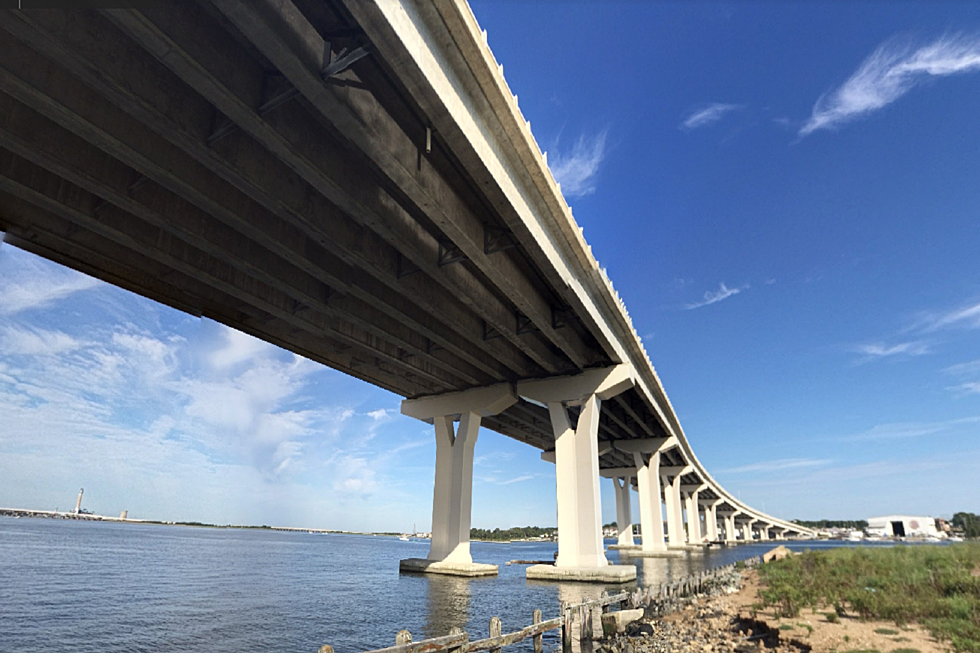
(786, 196)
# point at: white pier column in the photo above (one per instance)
(624, 518)
(452, 494)
(672, 502)
(693, 518)
(764, 532)
(648, 487)
(580, 552)
(452, 498)
(710, 525)
(730, 528)
(646, 461)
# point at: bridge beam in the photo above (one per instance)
(580, 551)
(452, 495)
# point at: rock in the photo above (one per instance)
(616, 622)
(638, 628)
(778, 553)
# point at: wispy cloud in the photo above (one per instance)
(892, 70)
(518, 479)
(29, 284)
(577, 171)
(970, 367)
(779, 465)
(967, 317)
(708, 115)
(906, 430)
(880, 350)
(715, 296)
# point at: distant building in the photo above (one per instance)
(903, 526)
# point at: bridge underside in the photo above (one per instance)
(195, 158)
(288, 168)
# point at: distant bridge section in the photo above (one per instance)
(354, 181)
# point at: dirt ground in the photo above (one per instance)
(812, 628)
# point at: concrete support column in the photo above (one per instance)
(648, 486)
(452, 494)
(577, 477)
(580, 551)
(624, 520)
(764, 532)
(672, 502)
(693, 518)
(730, 528)
(713, 515)
(710, 525)
(452, 497)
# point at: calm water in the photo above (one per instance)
(108, 588)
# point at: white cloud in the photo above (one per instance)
(965, 317)
(971, 367)
(28, 283)
(879, 350)
(890, 72)
(577, 171)
(712, 297)
(518, 479)
(906, 430)
(708, 115)
(36, 342)
(779, 465)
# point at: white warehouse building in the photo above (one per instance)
(903, 526)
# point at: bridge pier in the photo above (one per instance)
(730, 527)
(581, 555)
(452, 495)
(692, 508)
(646, 458)
(675, 520)
(624, 518)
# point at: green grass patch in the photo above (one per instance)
(886, 631)
(930, 585)
(906, 650)
(787, 627)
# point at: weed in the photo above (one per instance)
(787, 627)
(933, 586)
(886, 631)
(905, 650)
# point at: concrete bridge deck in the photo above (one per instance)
(351, 180)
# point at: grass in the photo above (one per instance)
(906, 650)
(886, 631)
(929, 585)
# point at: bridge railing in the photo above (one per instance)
(579, 623)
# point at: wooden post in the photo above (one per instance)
(403, 637)
(539, 638)
(496, 628)
(585, 632)
(326, 648)
(566, 629)
(455, 630)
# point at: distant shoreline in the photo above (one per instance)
(84, 516)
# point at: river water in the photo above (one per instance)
(90, 587)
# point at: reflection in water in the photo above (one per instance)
(652, 571)
(447, 603)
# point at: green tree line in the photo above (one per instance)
(968, 523)
(517, 533)
(833, 523)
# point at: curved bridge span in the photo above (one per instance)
(354, 181)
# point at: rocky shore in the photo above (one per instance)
(725, 618)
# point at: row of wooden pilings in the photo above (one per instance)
(580, 624)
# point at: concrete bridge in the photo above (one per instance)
(354, 181)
